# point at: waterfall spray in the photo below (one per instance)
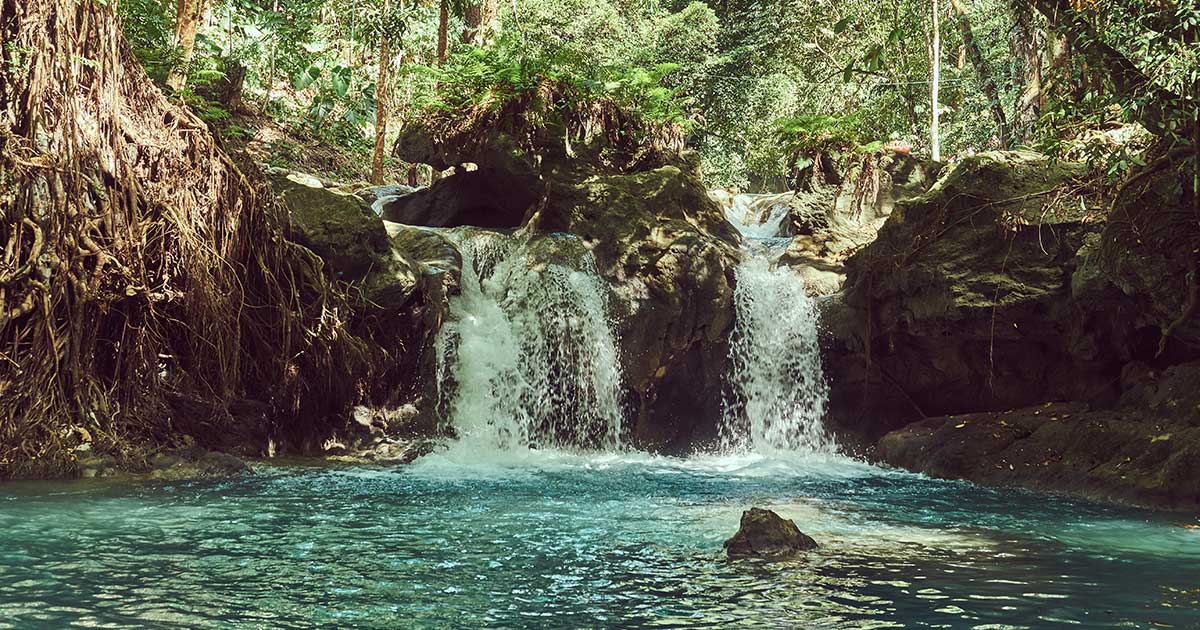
(777, 392)
(527, 357)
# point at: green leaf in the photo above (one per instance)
(341, 80)
(305, 77)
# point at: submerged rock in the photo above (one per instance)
(765, 534)
(196, 464)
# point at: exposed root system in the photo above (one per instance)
(147, 293)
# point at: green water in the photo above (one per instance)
(566, 541)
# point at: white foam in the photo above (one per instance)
(527, 357)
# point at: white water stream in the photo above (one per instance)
(527, 358)
(777, 392)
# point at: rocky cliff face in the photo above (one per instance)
(1145, 450)
(1024, 331)
(400, 279)
(967, 301)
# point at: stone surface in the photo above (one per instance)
(1150, 249)
(965, 302)
(668, 253)
(399, 279)
(765, 534)
(1006, 286)
(338, 227)
(482, 198)
(1145, 451)
(840, 210)
(196, 464)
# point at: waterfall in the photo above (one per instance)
(527, 357)
(777, 393)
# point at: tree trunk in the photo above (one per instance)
(232, 85)
(1027, 44)
(481, 16)
(936, 64)
(443, 50)
(382, 92)
(983, 70)
(443, 43)
(274, 45)
(187, 21)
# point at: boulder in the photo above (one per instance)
(378, 196)
(1150, 249)
(194, 463)
(482, 198)
(1009, 329)
(765, 534)
(338, 227)
(668, 253)
(965, 301)
(838, 211)
(400, 278)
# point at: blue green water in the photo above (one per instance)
(562, 541)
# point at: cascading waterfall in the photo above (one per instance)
(527, 358)
(777, 392)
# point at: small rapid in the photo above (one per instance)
(526, 358)
(777, 393)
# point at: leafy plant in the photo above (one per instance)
(823, 134)
(494, 76)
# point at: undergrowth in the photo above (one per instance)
(505, 84)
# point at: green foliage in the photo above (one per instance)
(821, 134)
(725, 70)
(497, 75)
(208, 111)
(149, 26)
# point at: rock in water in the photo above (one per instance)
(765, 534)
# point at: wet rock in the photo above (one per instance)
(400, 279)
(388, 451)
(839, 212)
(965, 302)
(1145, 451)
(668, 253)
(658, 239)
(98, 465)
(765, 534)
(196, 464)
(379, 196)
(481, 198)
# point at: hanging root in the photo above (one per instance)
(145, 283)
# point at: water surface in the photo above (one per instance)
(544, 540)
